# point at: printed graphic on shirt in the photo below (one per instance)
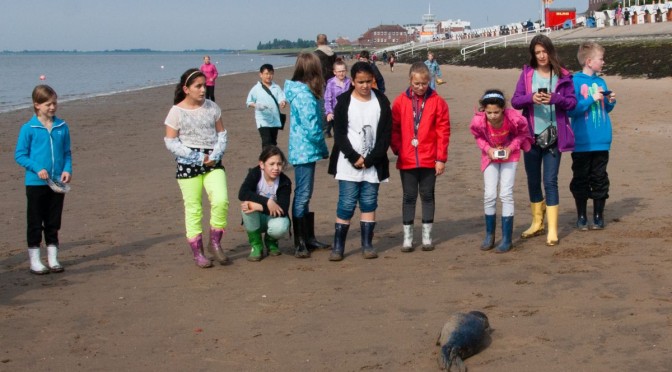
(596, 112)
(366, 138)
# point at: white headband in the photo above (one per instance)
(189, 77)
(493, 95)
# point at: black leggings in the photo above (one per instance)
(210, 92)
(412, 181)
(44, 211)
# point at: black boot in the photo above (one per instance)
(367, 237)
(301, 251)
(340, 233)
(581, 219)
(311, 242)
(598, 214)
(490, 226)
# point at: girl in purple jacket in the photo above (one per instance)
(337, 85)
(545, 93)
(500, 133)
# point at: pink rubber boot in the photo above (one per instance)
(196, 245)
(215, 246)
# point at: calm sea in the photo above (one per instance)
(82, 75)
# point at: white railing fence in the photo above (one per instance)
(505, 40)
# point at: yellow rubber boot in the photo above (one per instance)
(552, 219)
(537, 227)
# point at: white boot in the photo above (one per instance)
(427, 237)
(36, 265)
(52, 256)
(408, 239)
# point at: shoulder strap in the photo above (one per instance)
(271, 94)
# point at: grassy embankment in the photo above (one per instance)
(633, 58)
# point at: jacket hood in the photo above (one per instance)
(326, 49)
(295, 88)
(430, 92)
(580, 76)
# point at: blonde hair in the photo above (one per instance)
(41, 94)
(587, 50)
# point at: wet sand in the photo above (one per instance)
(131, 297)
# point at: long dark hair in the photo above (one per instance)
(271, 150)
(492, 97)
(545, 41)
(308, 70)
(186, 80)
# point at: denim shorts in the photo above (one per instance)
(350, 192)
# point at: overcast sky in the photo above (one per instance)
(230, 24)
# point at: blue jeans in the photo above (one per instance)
(534, 159)
(304, 179)
(350, 192)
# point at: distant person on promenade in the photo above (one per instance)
(420, 136)
(326, 55)
(434, 70)
(265, 196)
(267, 98)
(393, 59)
(43, 148)
(210, 72)
(379, 81)
(362, 133)
(195, 135)
(337, 85)
(501, 133)
(619, 14)
(592, 128)
(545, 93)
(304, 93)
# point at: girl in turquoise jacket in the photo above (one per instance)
(304, 92)
(43, 149)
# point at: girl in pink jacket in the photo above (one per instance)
(500, 133)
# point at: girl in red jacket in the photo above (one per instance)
(500, 133)
(420, 135)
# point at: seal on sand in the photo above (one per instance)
(462, 336)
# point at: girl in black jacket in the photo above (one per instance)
(264, 197)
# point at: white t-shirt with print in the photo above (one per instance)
(363, 120)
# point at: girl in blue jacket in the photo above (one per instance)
(305, 92)
(43, 149)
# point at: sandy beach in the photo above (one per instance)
(132, 299)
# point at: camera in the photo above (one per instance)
(542, 90)
(499, 154)
(606, 93)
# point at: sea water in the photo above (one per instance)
(79, 75)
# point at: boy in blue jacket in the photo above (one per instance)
(43, 148)
(592, 129)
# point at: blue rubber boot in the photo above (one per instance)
(340, 233)
(507, 231)
(598, 214)
(367, 237)
(490, 226)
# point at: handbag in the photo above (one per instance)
(548, 137)
(283, 117)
